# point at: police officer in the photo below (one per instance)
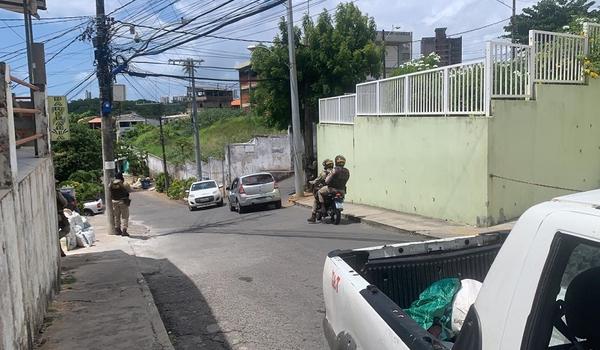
(335, 181)
(318, 183)
(119, 191)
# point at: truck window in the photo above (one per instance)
(565, 311)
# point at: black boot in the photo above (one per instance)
(118, 231)
(313, 218)
(124, 233)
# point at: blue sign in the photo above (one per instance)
(106, 107)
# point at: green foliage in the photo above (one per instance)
(178, 188)
(150, 109)
(210, 116)
(550, 15)
(179, 141)
(84, 191)
(332, 57)
(137, 160)
(160, 182)
(422, 63)
(92, 176)
(82, 152)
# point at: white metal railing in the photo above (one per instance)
(592, 32)
(557, 57)
(338, 109)
(510, 69)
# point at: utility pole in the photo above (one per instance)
(29, 38)
(164, 154)
(513, 20)
(190, 65)
(296, 130)
(104, 74)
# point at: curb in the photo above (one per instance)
(160, 332)
(376, 224)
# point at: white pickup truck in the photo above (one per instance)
(541, 285)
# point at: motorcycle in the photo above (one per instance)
(334, 205)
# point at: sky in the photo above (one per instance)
(73, 63)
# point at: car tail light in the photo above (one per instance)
(99, 205)
(242, 189)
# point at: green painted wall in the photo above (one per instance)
(551, 141)
(431, 166)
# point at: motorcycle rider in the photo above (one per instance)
(334, 182)
(318, 183)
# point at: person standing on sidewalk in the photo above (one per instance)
(120, 201)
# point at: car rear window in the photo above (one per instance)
(257, 179)
(204, 186)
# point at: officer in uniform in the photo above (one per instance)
(335, 181)
(318, 183)
(119, 191)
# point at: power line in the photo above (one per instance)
(503, 3)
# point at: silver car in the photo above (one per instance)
(254, 189)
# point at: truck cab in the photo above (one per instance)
(541, 285)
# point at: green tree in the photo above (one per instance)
(332, 57)
(549, 15)
(82, 152)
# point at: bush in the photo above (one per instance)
(91, 176)
(84, 191)
(160, 182)
(178, 188)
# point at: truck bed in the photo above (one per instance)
(397, 274)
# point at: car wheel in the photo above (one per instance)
(191, 208)
(278, 205)
(240, 209)
(88, 212)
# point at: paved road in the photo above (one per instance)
(222, 280)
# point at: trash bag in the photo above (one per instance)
(434, 306)
(465, 297)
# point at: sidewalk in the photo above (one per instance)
(104, 301)
(406, 223)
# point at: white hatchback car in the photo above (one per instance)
(204, 194)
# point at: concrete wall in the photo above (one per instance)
(263, 153)
(213, 169)
(543, 148)
(430, 166)
(29, 259)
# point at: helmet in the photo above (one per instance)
(340, 160)
(328, 163)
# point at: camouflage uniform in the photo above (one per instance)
(319, 182)
(119, 191)
(335, 182)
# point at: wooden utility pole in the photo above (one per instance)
(513, 21)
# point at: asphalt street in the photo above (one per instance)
(222, 280)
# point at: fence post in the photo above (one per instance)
(377, 109)
(586, 38)
(446, 92)
(406, 95)
(532, 64)
(339, 113)
(320, 110)
(8, 146)
(487, 79)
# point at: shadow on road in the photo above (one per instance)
(182, 307)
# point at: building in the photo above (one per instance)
(164, 99)
(398, 48)
(248, 80)
(212, 97)
(180, 99)
(95, 123)
(449, 49)
(170, 118)
(126, 122)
